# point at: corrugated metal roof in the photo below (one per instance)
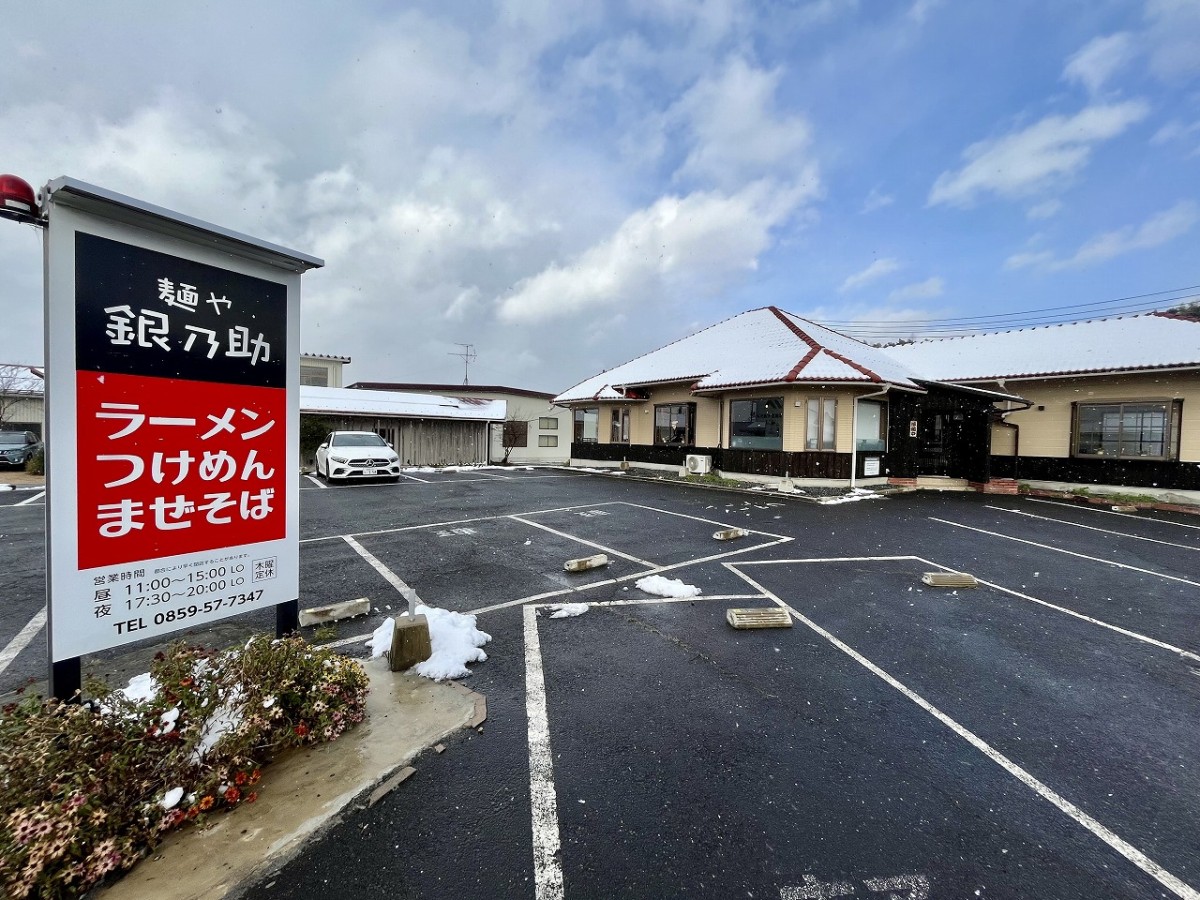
(762, 346)
(398, 405)
(1127, 343)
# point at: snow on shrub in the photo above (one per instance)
(87, 790)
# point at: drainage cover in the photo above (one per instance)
(769, 617)
(949, 579)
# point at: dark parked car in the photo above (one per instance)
(17, 446)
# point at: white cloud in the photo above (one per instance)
(1157, 230)
(876, 270)
(921, 290)
(921, 9)
(1046, 210)
(1041, 155)
(1099, 59)
(876, 199)
(736, 132)
(696, 243)
(1172, 37)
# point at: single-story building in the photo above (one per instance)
(769, 394)
(425, 430)
(22, 398)
(534, 431)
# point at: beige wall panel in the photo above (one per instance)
(1048, 432)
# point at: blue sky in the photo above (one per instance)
(566, 185)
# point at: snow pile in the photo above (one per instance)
(852, 497)
(6, 487)
(568, 610)
(428, 470)
(453, 636)
(140, 688)
(666, 587)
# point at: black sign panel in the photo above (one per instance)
(140, 312)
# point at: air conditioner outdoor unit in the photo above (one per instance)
(697, 464)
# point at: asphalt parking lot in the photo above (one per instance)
(1032, 737)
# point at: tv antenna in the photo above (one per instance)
(468, 356)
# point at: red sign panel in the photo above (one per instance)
(168, 466)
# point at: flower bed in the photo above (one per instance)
(86, 790)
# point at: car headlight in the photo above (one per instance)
(338, 459)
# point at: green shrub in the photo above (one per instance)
(88, 789)
(36, 464)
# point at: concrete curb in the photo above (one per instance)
(305, 793)
(1101, 500)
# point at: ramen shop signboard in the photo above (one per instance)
(173, 431)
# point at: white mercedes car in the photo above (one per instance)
(357, 454)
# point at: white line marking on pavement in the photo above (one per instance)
(547, 867)
(579, 540)
(317, 481)
(1136, 537)
(22, 639)
(38, 496)
(536, 512)
(1107, 562)
(1109, 512)
(667, 512)
(1127, 850)
(1187, 654)
(501, 477)
(392, 578)
(415, 478)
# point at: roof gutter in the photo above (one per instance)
(854, 430)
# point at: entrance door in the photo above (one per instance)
(941, 439)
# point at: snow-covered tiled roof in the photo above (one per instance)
(1127, 343)
(392, 403)
(762, 346)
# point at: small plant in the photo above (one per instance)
(36, 464)
(88, 789)
(325, 633)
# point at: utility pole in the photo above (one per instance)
(468, 356)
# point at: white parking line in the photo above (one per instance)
(579, 540)
(1109, 512)
(547, 867)
(1107, 562)
(392, 578)
(38, 496)
(22, 639)
(1186, 654)
(415, 478)
(1136, 537)
(317, 481)
(1127, 850)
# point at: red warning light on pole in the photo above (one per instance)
(17, 199)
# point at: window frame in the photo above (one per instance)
(1172, 413)
(882, 437)
(776, 439)
(547, 423)
(514, 434)
(681, 410)
(822, 445)
(312, 374)
(547, 440)
(579, 423)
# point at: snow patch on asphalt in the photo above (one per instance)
(568, 610)
(666, 587)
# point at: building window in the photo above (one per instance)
(675, 423)
(548, 423)
(587, 425)
(547, 440)
(756, 424)
(821, 426)
(316, 376)
(1127, 430)
(620, 427)
(871, 426)
(516, 434)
